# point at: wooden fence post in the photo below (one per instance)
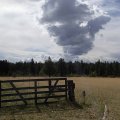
(71, 87)
(84, 95)
(0, 93)
(35, 84)
(66, 88)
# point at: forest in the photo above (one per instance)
(60, 68)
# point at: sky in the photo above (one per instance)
(71, 29)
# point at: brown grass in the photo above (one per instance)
(100, 91)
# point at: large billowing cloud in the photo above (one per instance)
(73, 24)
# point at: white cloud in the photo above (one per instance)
(20, 32)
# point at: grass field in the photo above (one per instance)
(99, 91)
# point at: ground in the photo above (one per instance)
(99, 91)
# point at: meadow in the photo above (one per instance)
(99, 91)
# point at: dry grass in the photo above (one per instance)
(100, 91)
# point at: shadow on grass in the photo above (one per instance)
(29, 109)
(80, 106)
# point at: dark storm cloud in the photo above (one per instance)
(64, 11)
(66, 21)
(97, 24)
(74, 39)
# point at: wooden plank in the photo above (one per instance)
(32, 93)
(35, 84)
(22, 98)
(19, 88)
(49, 102)
(32, 98)
(51, 90)
(16, 100)
(25, 88)
(32, 80)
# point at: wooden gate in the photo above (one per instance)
(39, 91)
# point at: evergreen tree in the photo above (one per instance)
(32, 67)
(62, 70)
(49, 68)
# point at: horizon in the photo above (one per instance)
(57, 60)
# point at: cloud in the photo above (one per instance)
(96, 24)
(73, 24)
(110, 6)
(21, 37)
(64, 11)
(106, 47)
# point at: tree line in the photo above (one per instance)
(59, 68)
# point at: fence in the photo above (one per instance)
(39, 91)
